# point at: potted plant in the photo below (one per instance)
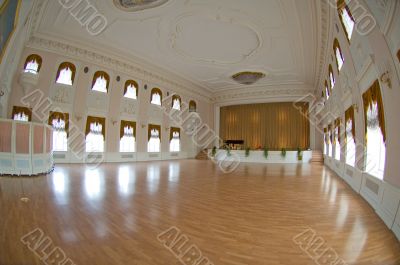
(214, 151)
(228, 151)
(266, 152)
(299, 154)
(247, 152)
(283, 152)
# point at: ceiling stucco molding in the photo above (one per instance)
(325, 25)
(278, 92)
(81, 54)
(222, 17)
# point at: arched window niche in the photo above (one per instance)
(66, 74)
(338, 55)
(101, 82)
(346, 18)
(156, 96)
(131, 89)
(33, 63)
(192, 106)
(176, 102)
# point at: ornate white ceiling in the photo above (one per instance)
(205, 41)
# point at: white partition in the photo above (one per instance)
(25, 148)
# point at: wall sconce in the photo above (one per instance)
(355, 106)
(143, 125)
(113, 122)
(385, 78)
(167, 128)
(78, 117)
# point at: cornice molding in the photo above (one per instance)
(325, 26)
(82, 54)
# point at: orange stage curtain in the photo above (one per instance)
(271, 125)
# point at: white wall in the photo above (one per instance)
(367, 57)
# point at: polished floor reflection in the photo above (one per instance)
(112, 214)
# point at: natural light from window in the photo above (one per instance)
(177, 104)
(21, 117)
(339, 58)
(65, 77)
(332, 79)
(60, 140)
(174, 145)
(32, 67)
(350, 145)
(154, 143)
(337, 144)
(376, 150)
(131, 92)
(156, 98)
(127, 142)
(100, 85)
(348, 22)
(95, 138)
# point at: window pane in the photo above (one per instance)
(348, 23)
(130, 92)
(177, 104)
(154, 143)
(350, 145)
(156, 99)
(32, 67)
(100, 84)
(95, 138)
(65, 77)
(174, 145)
(21, 117)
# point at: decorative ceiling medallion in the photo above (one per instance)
(248, 78)
(138, 5)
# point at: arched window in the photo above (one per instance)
(131, 89)
(66, 74)
(192, 106)
(176, 102)
(175, 140)
(60, 123)
(95, 134)
(127, 137)
(33, 64)
(375, 132)
(346, 18)
(101, 81)
(338, 54)
(330, 140)
(156, 96)
(327, 91)
(350, 136)
(331, 77)
(154, 136)
(325, 140)
(21, 114)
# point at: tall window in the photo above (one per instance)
(337, 139)
(330, 140)
(325, 141)
(33, 64)
(346, 18)
(101, 81)
(127, 137)
(174, 140)
(350, 137)
(338, 54)
(154, 136)
(192, 106)
(95, 134)
(176, 102)
(331, 77)
(327, 92)
(375, 131)
(21, 114)
(156, 96)
(131, 89)
(60, 123)
(66, 74)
